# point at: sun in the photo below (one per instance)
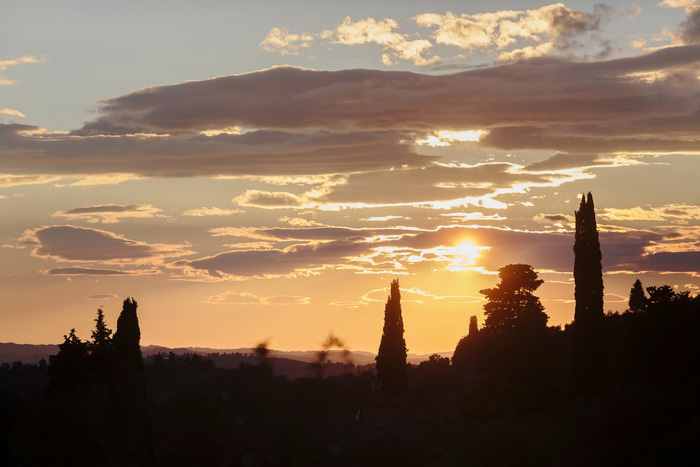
(468, 251)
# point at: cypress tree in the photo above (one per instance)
(589, 362)
(391, 359)
(128, 336)
(132, 421)
(465, 352)
(473, 327)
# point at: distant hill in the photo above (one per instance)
(29, 353)
(25, 353)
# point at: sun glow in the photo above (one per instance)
(442, 138)
(468, 252)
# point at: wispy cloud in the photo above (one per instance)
(80, 271)
(111, 213)
(4, 64)
(100, 297)
(212, 211)
(78, 244)
(245, 298)
(13, 112)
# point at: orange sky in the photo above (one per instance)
(268, 183)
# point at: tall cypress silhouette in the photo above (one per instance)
(589, 359)
(128, 336)
(391, 358)
(131, 418)
(465, 352)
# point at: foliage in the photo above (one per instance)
(511, 305)
(68, 370)
(391, 358)
(638, 300)
(465, 353)
(589, 355)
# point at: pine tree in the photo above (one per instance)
(102, 334)
(515, 354)
(638, 299)
(391, 358)
(589, 326)
(101, 352)
(511, 306)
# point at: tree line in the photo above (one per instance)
(606, 389)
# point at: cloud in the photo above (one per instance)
(558, 220)
(669, 212)
(213, 211)
(442, 185)
(110, 214)
(84, 272)
(309, 122)
(689, 30)
(244, 298)
(78, 244)
(687, 4)
(259, 153)
(383, 218)
(16, 113)
(267, 199)
(100, 297)
(9, 180)
(16, 61)
(411, 294)
(551, 27)
(283, 42)
(400, 250)
(563, 161)
(298, 221)
(397, 46)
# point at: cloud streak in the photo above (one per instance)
(111, 213)
(306, 122)
(78, 244)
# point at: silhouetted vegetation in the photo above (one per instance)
(511, 365)
(589, 342)
(391, 358)
(509, 396)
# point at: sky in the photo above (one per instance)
(261, 171)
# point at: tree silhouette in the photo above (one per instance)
(68, 369)
(132, 421)
(589, 359)
(515, 347)
(465, 352)
(391, 358)
(128, 336)
(511, 305)
(102, 334)
(101, 351)
(638, 300)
